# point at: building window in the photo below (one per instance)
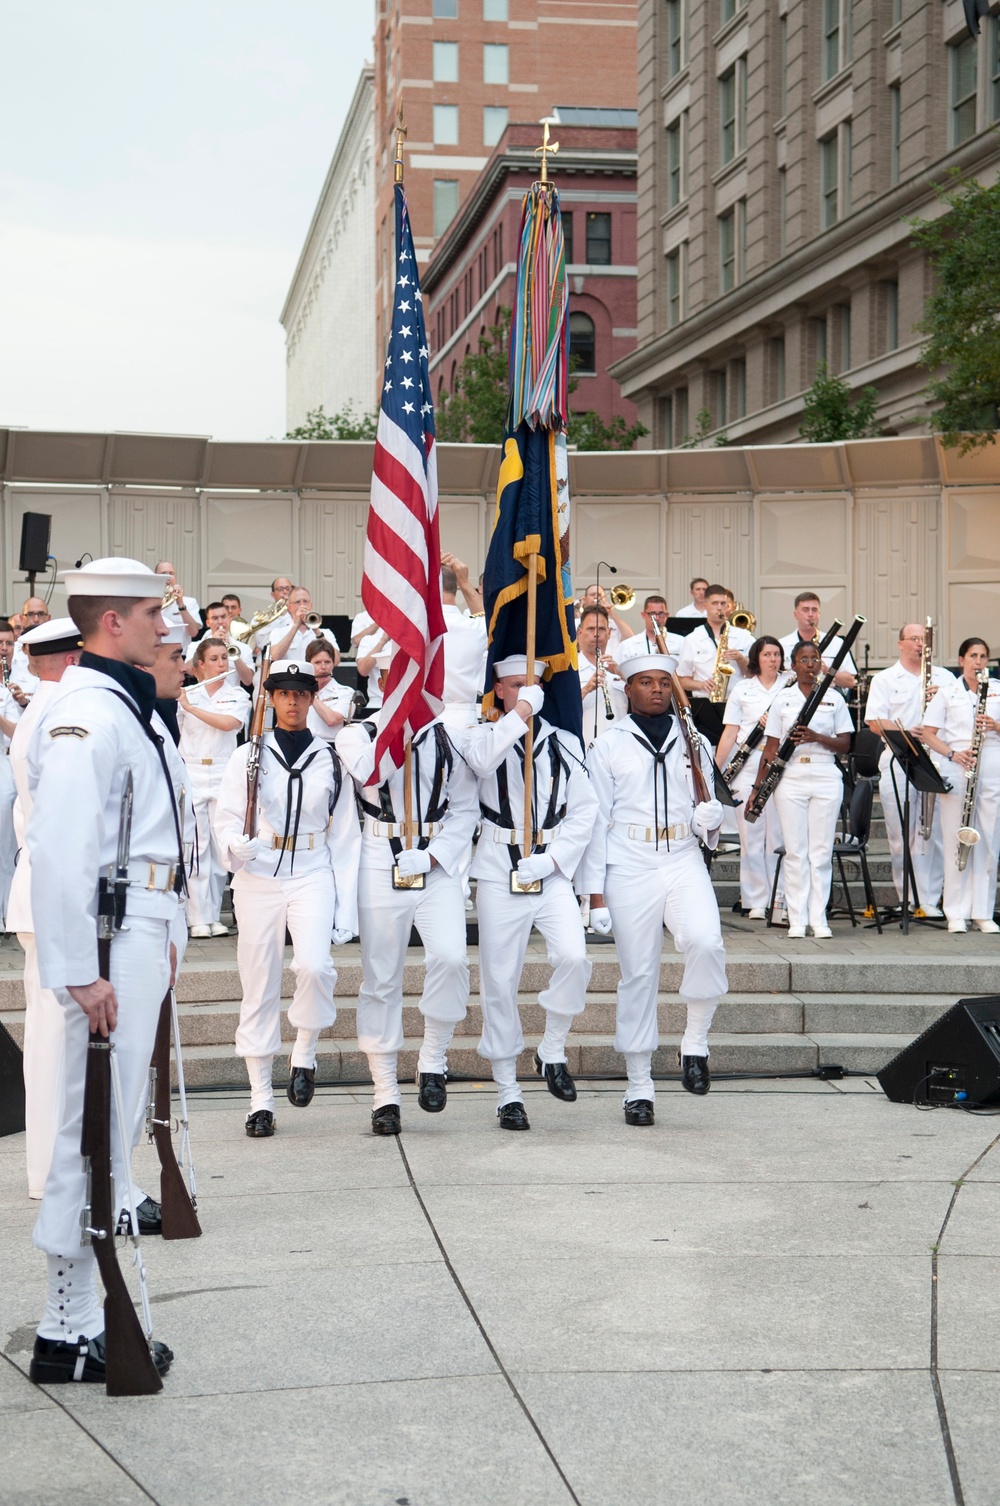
(844, 332)
(445, 10)
(896, 12)
(665, 416)
(963, 91)
(681, 413)
(782, 67)
(846, 141)
(446, 62)
(727, 115)
(831, 38)
(891, 290)
(674, 164)
(494, 10)
(776, 363)
(567, 229)
(674, 313)
(894, 132)
(445, 203)
(445, 125)
(495, 62)
(828, 182)
(727, 250)
(582, 345)
(818, 330)
(728, 9)
(494, 123)
(675, 37)
(782, 210)
(993, 65)
(720, 406)
(599, 240)
(738, 386)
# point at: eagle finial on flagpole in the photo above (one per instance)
(548, 148)
(400, 134)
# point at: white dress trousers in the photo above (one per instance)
(969, 893)
(758, 839)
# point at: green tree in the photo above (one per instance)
(703, 426)
(828, 414)
(343, 425)
(588, 431)
(962, 316)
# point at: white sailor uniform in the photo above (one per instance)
(446, 810)
(305, 877)
(464, 668)
(564, 813)
(206, 751)
(646, 860)
(89, 734)
(969, 893)
(831, 651)
(894, 694)
(700, 647)
(594, 710)
(11, 712)
(335, 697)
(808, 798)
(758, 839)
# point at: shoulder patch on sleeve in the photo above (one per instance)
(80, 732)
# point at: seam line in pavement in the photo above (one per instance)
(942, 1411)
(83, 1429)
(484, 1335)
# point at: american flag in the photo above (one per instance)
(401, 586)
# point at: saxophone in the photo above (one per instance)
(968, 836)
(926, 799)
(720, 669)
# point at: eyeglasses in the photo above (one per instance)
(41, 616)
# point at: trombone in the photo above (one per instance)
(243, 632)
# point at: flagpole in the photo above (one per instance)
(529, 739)
(400, 134)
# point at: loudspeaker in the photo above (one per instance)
(35, 530)
(11, 1086)
(956, 1060)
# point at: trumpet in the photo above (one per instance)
(622, 597)
(244, 631)
(314, 620)
(171, 596)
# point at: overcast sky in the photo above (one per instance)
(159, 166)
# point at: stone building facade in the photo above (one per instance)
(783, 144)
(329, 314)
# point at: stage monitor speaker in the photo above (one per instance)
(11, 1086)
(35, 530)
(956, 1060)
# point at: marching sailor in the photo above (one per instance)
(400, 887)
(299, 871)
(563, 814)
(52, 648)
(644, 869)
(97, 725)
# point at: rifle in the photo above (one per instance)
(256, 740)
(130, 1370)
(755, 736)
(180, 1221)
(772, 778)
(693, 740)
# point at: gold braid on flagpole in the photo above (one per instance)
(400, 134)
(547, 149)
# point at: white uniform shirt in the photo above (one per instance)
(744, 709)
(297, 648)
(10, 711)
(491, 744)
(593, 704)
(830, 719)
(245, 656)
(362, 623)
(365, 647)
(335, 697)
(894, 695)
(202, 746)
(172, 616)
(829, 653)
(336, 834)
(690, 611)
(84, 742)
(19, 902)
(698, 656)
(464, 657)
(640, 643)
(628, 782)
(448, 846)
(21, 672)
(952, 715)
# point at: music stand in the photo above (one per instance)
(920, 772)
(683, 625)
(708, 717)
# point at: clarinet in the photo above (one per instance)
(778, 765)
(968, 836)
(755, 736)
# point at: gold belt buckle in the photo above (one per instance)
(805, 760)
(408, 880)
(517, 886)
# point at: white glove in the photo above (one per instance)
(534, 695)
(341, 937)
(540, 866)
(601, 922)
(417, 860)
(244, 849)
(707, 817)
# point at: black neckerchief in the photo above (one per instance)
(167, 712)
(290, 748)
(139, 683)
(292, 744)
(710, 631)
(655, 728)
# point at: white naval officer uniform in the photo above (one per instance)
(646, 860)
(305, 877)
(690, 611)
(594, 709)
(335, 697)
(21, 673)
(758, 839)
(809, 797)
(206, 751)
(969, 893)
(564, 811)
(697, 656)
(464, 668)
(245, 656)
(296, 650)
(894, 695)
(446, 808)
(830, 653)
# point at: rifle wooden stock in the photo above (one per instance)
(180, 1221)
(255, 740)
(691, 737)
(130, 1370)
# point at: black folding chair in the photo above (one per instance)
(855, 845)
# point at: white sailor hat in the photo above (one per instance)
(178, 632)
(384, 658)
(58, 636)
(517, 664)
(291, 674)
(642, 664)
(113, 577)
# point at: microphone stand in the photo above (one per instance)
(601, 564)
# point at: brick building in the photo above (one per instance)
(783, 144)
(462, 69)
(472, 272)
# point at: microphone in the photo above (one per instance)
(86, 555)
(603, 565)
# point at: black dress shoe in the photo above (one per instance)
(260, 1124)
(433, 1094)
(385, 1121)
(695, 1076)
(302, 1086)
(54, 1362)
(513, 1117)
(639, 1111)
(149, 1217)
(557, 1079)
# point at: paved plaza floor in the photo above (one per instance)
(785, 1292)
